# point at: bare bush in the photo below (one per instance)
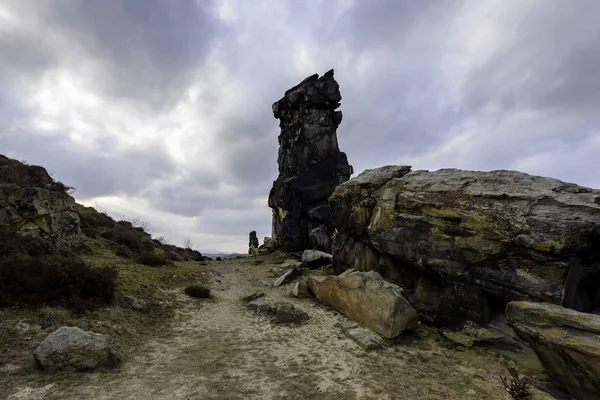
(163, 240)
(518, 388)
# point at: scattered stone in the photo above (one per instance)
(253, 296)
(566, 341)
(262, 283)
(135, 303)
(365, 338)
(291, 263)
(29, 393)
(282, 313)
(278, 271)
(261, 305)
(487, 237)
(300, 290)
(310, 162)
(287, 313)
(288, 276)
(315, 259)
(368, 299)
(473, 335)
(73, 348)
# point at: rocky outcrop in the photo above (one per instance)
(32, 203)
(567, 343)
(366, 298)
(310, 162)
(252, 242)
(73, 348)
(465, 243)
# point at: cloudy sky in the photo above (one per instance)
(162, 108)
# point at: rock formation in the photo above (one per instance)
(366, 298)
(252, 242)
(32, 203)
(465, 243)
(310, 162)
(567, 343)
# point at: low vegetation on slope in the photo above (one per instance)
(87, 281)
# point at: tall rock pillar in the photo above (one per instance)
(310, 162)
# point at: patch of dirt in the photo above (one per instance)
(218, 349)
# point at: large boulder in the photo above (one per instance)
(32, 203)
(465, 243)
(366, 298)
(567, 343)
(74, 348)
(310, 162)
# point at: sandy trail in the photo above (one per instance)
(220, 350)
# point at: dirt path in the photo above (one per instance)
(220, 350)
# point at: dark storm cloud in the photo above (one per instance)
(480, 85)
(100, 170)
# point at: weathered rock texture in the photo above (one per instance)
(465, 243)
(73, 348)
(567, 343)
(32, 203)
(252, 242)
(310, 162)
(366, 298)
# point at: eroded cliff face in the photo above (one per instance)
(32, 203)
(310, 162)
(464, 243)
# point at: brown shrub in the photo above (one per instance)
(55, 280)
(123, 251)
(151, 259)
(13, 244)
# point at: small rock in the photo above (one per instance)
(262, 283)
(288, 276)
(315, 258)
(253, 296)
(300, 290)
(260, 305)
(277, 271)
(291, 263)
(287, 313)
(73, 348)
(135, 303)
(349, 324)
(365, 338)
